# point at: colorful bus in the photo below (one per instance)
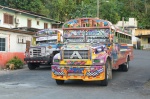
(45, 44)
(92, 49)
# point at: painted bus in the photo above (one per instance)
(45, 44)
(92, 48)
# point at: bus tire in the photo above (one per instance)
(59, 82)
(51, 61)
(108, 73)
(31, 66)
(125, 66)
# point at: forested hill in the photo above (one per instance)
(112, 10)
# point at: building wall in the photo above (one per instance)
(13, 48)
(14, 45)
(142, 32)
(6, 56)
(23, 20)
(144, 40)
(2, 19)
(131, 23)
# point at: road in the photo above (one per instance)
(38, 84)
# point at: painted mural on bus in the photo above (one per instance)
(92, 49)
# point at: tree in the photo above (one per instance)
(30, 5)
(64, 10)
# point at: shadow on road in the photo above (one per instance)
(43, 68)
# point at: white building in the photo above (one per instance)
(131, 25)
(17, 27)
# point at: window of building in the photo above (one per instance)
(38, 23)
(29, 23)
(2, 44)
(45, 25)
(148, 40)
(8, 19)
(22, 39)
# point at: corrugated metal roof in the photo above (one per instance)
(17, 31)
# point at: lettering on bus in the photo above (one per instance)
(47, 32)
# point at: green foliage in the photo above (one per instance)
(30, 5)
(16, 61)
(63, 10)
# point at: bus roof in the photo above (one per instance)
(123, 31)
(92, 23)
(82, 23)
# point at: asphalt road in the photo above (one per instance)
(38, 84)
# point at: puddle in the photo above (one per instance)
(16, 85)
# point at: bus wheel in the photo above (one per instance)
(37, 65)
(31, 66)
(59, 82)
(125, 66)
(108, 73)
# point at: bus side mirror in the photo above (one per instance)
(58, 37)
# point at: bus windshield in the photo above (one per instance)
(46, 42)
(46, 36)
(86, 36)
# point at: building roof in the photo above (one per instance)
(31, 13)
(18, 31)
(30, 29)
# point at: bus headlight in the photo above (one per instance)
(56, 60)
(98, 61)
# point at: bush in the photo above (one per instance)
(16, 61)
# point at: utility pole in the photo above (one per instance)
(145, 6)
(122, 23)
(98, 8)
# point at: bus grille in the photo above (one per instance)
(35, 52)
(69, 53)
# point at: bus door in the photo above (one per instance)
(124, 51)
(116, 55)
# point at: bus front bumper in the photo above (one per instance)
(37, 59)
(85, 73)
